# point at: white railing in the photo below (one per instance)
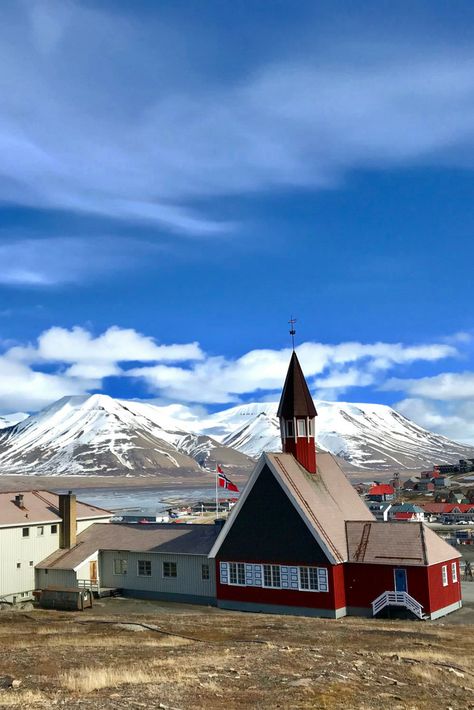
(92, 584)
(397, 599)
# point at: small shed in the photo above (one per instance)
(65, 598)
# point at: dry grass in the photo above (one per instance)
(430, 674)
(21, 699)
(87, 661)
(85, 680)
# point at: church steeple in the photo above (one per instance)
(297, 412)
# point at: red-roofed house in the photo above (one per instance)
(381, 492)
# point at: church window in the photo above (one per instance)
(301, 427)
(271, 576)
(237, 573)
(444, 574)
(290, 428)
(313, 579)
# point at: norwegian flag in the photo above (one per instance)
(225, 482)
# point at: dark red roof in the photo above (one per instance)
(447, 507)
(296, 400)
(381, 489)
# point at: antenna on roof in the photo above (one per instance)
(291, 323)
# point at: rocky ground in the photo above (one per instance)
(127, 654)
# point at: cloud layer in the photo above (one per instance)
(74, 361)
(103, 114)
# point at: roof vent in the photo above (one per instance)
(19, 500)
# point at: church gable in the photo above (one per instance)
(268, 528)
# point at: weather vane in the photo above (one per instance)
(291, 323)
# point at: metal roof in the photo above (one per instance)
(296, 400)
(396, 544)
(40, 507)
(325, 500)
(175, 538)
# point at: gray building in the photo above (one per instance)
(163, 561)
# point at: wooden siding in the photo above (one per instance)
(330, 600)
(269, 529)
(84, 524)
(55, 577)
(16, 549)
(188, 582)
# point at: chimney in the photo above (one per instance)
(297, 413)
(67, 512)
(19, 500)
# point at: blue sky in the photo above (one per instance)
(179, 178)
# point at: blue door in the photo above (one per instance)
(400, 580)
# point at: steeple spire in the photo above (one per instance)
(297, 412)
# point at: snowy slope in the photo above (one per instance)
(99, 435)
(372, 436)
(11, 419)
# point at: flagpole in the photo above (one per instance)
(217, 494)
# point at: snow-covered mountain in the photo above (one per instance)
(11, 419)
(372, 436)
(100, 435)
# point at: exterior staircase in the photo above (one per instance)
(403, 599)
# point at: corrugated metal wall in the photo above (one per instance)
(188, 581)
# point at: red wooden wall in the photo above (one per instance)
(332, 599)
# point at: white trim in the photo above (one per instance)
(262, 462)
(444, 575)
(52, 521)
(91, 558)
(235, 584)
(454, 572)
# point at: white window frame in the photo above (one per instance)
(290, 428)
(444, 575)
(301, 428)
(275, 576)
(54, 529)
(170, 576)
(239, 567)
(310, 427)
(205, 572)
(40, 531)
(25, 532)
(454, 572)
(123, 564)
(317, 573)
(144, 562)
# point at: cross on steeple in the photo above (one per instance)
(291, 323)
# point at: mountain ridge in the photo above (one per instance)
(99, 435)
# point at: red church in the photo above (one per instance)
(301, 541)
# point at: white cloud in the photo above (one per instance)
(452, 419)
(23, 388)
(218, 380)
(446, 386)
(51, 261)
(140, 129)
(63, 362)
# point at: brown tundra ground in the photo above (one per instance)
(130, 654)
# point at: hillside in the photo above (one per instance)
(369, 436)
(133, 654)
(99, 435)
